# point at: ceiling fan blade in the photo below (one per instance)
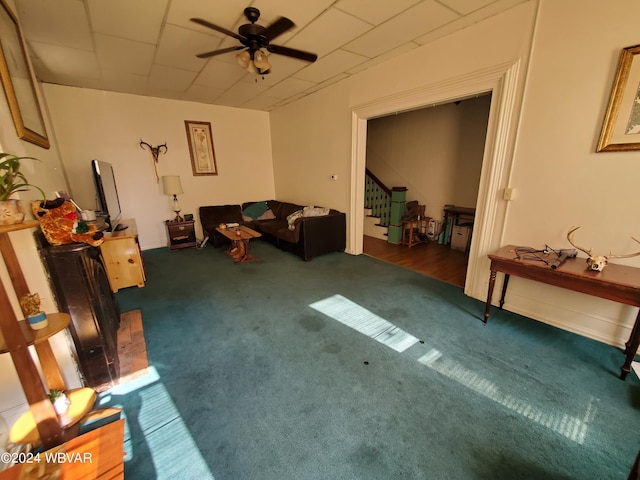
(292, 52)
(204, 23)
(219, 52)
(278, 27)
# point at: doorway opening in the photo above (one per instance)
(502, 82)
(436, 153)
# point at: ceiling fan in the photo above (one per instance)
(254, 38)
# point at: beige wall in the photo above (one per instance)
(108, 126)
(307, 152)
(549, 146)
(559, 179)
(435, 152)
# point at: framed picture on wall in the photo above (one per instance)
(17, 82)
(621, 126)
(203, 158)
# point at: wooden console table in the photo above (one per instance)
(619, 283)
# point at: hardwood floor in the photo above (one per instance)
(431, 259)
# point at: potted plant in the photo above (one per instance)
(12, 180)
(60, 401)
(30, 304)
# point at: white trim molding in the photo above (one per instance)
(503, 82)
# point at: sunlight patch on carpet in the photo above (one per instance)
(364, 321)
(360, 319)
(167, 439)
(570, 426)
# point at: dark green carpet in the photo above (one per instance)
(250, 382)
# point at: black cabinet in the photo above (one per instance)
(82, 290)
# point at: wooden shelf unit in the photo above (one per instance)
(49, 427)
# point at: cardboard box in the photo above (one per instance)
(460, 237)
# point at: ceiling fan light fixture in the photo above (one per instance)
(255, 37)
(244, 59)
(261, 62)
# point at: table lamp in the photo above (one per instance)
(171, 186)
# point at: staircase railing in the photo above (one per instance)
(377, 197)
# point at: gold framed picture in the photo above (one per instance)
(17, 81)
(621, 126)
(203, 158)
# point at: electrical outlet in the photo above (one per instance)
(508, 194)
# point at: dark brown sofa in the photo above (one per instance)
(309, 237)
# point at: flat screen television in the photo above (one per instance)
(107, 193)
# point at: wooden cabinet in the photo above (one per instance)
(98, 454)
(79, 280)
(181, 234)
(122, 257)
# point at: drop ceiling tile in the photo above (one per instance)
(179, 46)
(405, 47)
(300, 13)
(288, 100)
(329, 31)
(328, 82)
(219, 75)
(329, 66)
(321, 26)
(127, 56)
(224, 14)
(75, 81)
(465, 7)
(138, 20)
(416, 21)
(288, 87)
(240, 93)
(261, 102)
(488, 11)
(374, 11)
(67, 61)
(63, 22)
(200, 93)
(117, 81)
(170, 79)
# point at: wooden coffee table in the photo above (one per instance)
(239, 237)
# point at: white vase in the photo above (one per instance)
(36, 322)
(11, 212)
(61, 404)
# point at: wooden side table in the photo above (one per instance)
(410, 230)
(181, 234)
(239, 237)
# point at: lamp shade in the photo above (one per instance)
(171, 185)
(261, 62)
(243, 59)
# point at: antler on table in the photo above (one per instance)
(628, 255)
(570, 238)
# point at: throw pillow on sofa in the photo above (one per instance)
(268, 215)
(255, 211)
(291, 219)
